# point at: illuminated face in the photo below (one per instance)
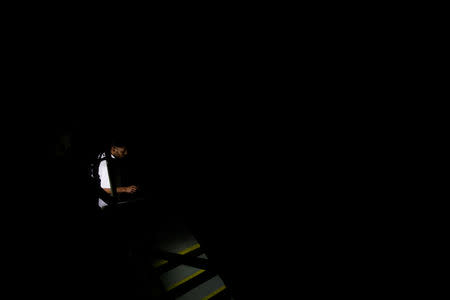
(119, 152)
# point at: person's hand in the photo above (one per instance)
(132, 189)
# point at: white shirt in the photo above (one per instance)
(104, 178)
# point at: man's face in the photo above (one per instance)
(119, 152)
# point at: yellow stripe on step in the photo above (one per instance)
(161, 262)
(190, 249)
(214, 293)
(184, 280)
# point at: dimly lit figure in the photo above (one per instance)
(121, 222)
(110, 175)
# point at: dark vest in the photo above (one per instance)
(119, 176)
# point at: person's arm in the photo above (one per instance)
(123, 189)
(106, 185)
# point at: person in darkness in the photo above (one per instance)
(111, 176)
(122, 226)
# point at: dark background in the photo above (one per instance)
(280, 167)
(284, 141)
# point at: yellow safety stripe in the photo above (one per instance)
(214, 293)
(161, 262)
(184, 280)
